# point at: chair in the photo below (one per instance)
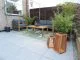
(16, 24)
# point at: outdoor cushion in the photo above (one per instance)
(42, 22)
(22, 21)
(22, 25)
(48, 22)
(15, 23)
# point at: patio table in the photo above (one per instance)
(31, 26)
(42, 27)
(38, 27)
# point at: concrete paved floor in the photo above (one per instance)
(15, 46)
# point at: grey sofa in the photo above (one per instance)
(15, 24)
(45, 23)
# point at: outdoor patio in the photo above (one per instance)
(16, 45)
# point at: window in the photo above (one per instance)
(13, 7)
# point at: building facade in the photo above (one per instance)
(7, 19)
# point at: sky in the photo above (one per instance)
(43, 3)
(18, 4)
(48, 3)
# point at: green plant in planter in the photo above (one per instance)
(63, 21)
(29, 20)
(63, 24)
(69, 8)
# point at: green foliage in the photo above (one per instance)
(11, 8)
(29, 20)
(63, 21)
(63, 24)
(69, 8)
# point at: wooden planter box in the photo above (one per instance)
(50, 42)
(60, 42)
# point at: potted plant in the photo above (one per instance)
(62, 24)
(29, 20)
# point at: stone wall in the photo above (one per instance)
(77, 18)
(77, 29)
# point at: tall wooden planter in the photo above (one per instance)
(60, 42)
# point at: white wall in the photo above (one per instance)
(3, 20)
(2, 16)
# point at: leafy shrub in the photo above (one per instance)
(63, 24)
(29, 20)
(69, 8)
(63, 21)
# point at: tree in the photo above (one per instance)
(11, 9)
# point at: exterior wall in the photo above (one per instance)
(10, 18)
(2, 16)
(78, 47)
(25, 7)
(77, 29)
(3, 19)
